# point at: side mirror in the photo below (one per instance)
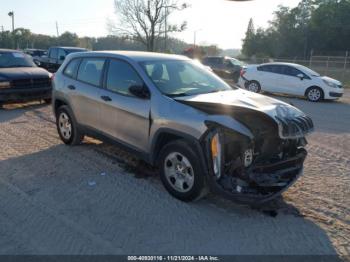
(301, 76)
(140, 91)
(62, 57)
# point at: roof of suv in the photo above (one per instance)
(135, 55)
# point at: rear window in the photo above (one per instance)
(90, 70)
(72, 68)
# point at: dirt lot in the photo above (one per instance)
(85, 200)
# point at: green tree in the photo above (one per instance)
(249, 43)
(68, 39)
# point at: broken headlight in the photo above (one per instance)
(215, 146)
(248, 157)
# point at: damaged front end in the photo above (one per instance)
(257, 168)
(252, 171)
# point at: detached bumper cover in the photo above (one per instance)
(268, 181)
(24, 94)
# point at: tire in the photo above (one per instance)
(67, 127)
(180, 171)
(253, 86)
(314, 94)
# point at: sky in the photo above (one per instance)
(219, 22)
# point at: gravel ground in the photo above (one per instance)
(95, 199)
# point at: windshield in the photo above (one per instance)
(69, 51)
(15, 59)
(308, 71)
(183, 78)
(235, 62)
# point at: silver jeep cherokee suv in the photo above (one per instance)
(177, 115)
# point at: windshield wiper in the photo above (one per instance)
(11, 66)
(177, 95)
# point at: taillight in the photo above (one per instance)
(243, 71)
(52, 77)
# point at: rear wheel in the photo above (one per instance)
(314, 94)
(181, 172)
(253, 86)
(67, 127)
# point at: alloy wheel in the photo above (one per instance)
(314, 94)
(253, 87)
(65, 125)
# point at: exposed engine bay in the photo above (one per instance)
(254, 167)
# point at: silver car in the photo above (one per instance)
(177, 115)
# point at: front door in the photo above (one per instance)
(124, 116)
(291, 83)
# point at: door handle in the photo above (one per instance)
(106, 98)
(71, 87)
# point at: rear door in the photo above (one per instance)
(269, 77)
(124, 116)
(85, 91)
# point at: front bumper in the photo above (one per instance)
(335, 94)
(24, 94)
(268, 181)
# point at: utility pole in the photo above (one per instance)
(12, 15)
(166, 29)
(58, 34)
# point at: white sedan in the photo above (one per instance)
(291, 79)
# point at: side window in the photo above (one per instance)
(90, 70)
(53, 53)
(61, 53)
(121, 76)
(265, 68)
(291, 71)
(276, 69)
(72, 68)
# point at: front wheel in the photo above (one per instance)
(314, 94)
(181, 172)
(67, 127)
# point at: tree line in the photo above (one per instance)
(321, 26)
(23, 38)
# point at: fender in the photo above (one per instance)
(193, 140)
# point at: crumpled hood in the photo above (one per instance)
(242, 98)
(292, 123)
(23, 73)
(332, 80)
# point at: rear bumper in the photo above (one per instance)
(24, 94)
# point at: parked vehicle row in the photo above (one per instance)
(224, 66)
(182, 118)
(56, 56)
(21, 79)
(291, 79)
